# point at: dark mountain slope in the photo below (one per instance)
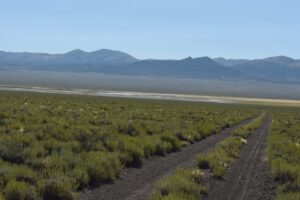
(76, 60)
(203, 67)
(275, 69)
(280, 69)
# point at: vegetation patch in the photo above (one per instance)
(188, 184)
(220, 157)
(184, 184)
(51, 146)
(284, 154)
(245, 131)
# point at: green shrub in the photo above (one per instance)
(172, 139)
(189, 136)
(246, 130)
(284, 172)
(3, 115)
(218, 171)
(12, 147)
(17, 172)
(132, 154)
(206, 130)
(3, 118)
(149, 145)
(16, 190)
(162, 148)
(102, 166)
(220, 156)
(58, 188)
(127, 129)
(81, 176)
(185, 183)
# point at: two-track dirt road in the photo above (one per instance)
(137, 184)
(248, 177)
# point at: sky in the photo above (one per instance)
(153, 28)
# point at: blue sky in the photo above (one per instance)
(153, 28)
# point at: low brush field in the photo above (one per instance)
(52, 146)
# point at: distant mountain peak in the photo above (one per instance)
(280, 60)
(104, 51)
(76, 51)
(188, 58)
(204, 58)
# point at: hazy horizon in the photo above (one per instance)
(154, 29)
(54, 53)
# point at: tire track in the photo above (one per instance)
(247, 171)
(137, 184)
(248, 177)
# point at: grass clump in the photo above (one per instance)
(220, 156)
(245, 131)
(18, 190)
(102, 166)
(58, 188)
(183, 184)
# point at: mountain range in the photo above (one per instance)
(279, 69)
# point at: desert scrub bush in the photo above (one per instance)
(57, 188)
(131, 151)
(22, 173)
(3, 118)
(283, 171)
(246, 130)
(163, 148)
(206, 129)
(189, 135)
(102, 166)
(12, 147)
(184, 183)
(127, 128)
(81, 176)
(220, 156)
(17, 190)
(149, 144)
(171, 138)
(133, 155)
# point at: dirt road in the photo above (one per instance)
(137, 184)
(248, 177)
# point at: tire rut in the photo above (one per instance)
(248, 178)
(137, 183)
